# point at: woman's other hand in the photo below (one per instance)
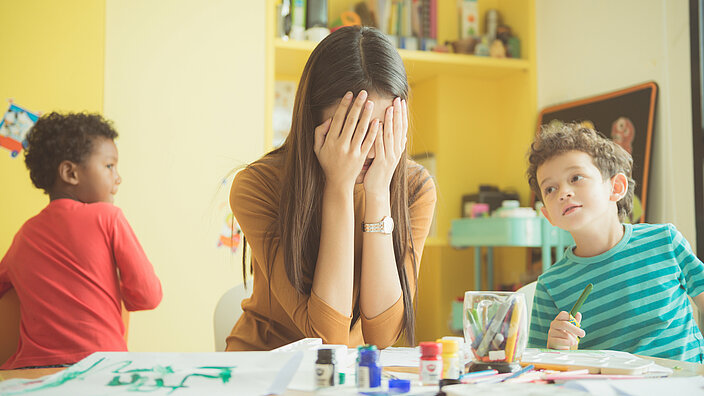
(388, 146)
(343, 142)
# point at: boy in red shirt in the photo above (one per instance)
(78, 260)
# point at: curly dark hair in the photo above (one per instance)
(62, 137)
(610, 158)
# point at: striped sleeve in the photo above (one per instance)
(692, 268)
(543, 312)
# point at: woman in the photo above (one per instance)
(337, 217)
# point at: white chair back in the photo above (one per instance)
(528, 290)
(227, 311)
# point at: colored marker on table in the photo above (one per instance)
(477, 374)
(519, 372)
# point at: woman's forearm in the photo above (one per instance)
(380, 286)
(334, 271)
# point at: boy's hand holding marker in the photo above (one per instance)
(563, 334)
(565, 329)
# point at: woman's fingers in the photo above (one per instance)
(404, 120)
(353, 116)
(398, 122)
(363, 124)
(370, 139)
(338, 120)
(321, 132)
(388, 138)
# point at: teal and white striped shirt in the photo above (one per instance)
(639, 302)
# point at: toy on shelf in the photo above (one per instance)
(347, 18)
(497, 41)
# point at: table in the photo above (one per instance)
(680, 369)
(491, 232)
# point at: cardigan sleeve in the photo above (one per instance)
(384, 329)
(254, 199)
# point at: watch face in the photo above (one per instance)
(388, 225)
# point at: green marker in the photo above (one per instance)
(581, 299)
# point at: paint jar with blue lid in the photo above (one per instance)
(399, 386)
(368, 370)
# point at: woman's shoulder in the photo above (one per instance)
(420, 181)
(265, 172)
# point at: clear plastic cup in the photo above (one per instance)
(495, 328)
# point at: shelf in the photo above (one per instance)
(291, 57)
(436, 242)
(507, 231)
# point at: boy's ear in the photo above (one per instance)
(68, 173)
(619, 187)
(545, 213)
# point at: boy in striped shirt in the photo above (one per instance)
(642, 273)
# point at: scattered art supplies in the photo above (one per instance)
(596, 361)
(495, 328)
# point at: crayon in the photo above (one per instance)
(513, 332)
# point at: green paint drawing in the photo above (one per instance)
(140, 380)
(59, 380)
(150, 380)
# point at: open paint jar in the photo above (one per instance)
(496, 329)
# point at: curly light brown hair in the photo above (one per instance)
(611, 159)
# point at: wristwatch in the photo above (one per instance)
(385, 226)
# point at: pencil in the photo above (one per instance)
(519, 372)
(581, 299)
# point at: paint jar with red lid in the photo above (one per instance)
(430, 363)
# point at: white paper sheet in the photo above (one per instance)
(216, 373)
(689, 386)
(400, 357)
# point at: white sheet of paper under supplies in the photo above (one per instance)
(119, 373)
(304, 377)
(690, 386)
(400, 357)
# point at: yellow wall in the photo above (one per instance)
(184, 83)
(52, 59)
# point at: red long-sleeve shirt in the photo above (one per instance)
(72, 265)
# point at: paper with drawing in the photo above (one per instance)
(121, 373)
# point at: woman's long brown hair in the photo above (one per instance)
(350, 59)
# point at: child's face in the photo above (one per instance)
(98, 179)
(574, 193)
